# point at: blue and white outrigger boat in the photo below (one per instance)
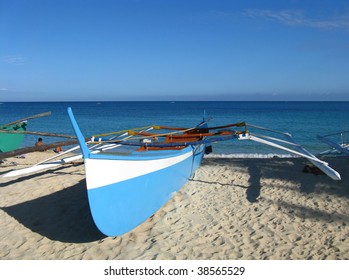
(125, 187)
(337, 141)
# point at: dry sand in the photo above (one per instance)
(232, 209)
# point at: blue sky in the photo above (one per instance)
(174, 50)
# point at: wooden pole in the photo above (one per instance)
(29, 118)
(37, 133)
(27, 150)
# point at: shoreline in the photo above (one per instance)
(233, 208)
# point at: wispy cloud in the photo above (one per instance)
(5, 91)
(13, 59)
(299, 18)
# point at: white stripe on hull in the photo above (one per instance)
(103, 172)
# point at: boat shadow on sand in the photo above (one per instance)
(289, 171)
(283, 169)
(62, 216)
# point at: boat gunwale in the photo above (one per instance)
(141, 155)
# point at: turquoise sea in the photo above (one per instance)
(304, 120)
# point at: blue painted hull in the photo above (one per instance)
(120, 207)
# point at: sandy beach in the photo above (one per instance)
(232, 209)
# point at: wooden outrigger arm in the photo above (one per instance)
(28, 118)
(27, 150)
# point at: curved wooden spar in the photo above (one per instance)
(35, 149)
(239, 124)
(29, 118)
(37, 133)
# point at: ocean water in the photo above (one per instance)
(304, 120)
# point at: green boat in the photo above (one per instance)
(12, 141)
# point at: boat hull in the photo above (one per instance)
(121, 206)
(125, 190)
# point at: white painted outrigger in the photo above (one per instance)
(46, 164)
(271, 141)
